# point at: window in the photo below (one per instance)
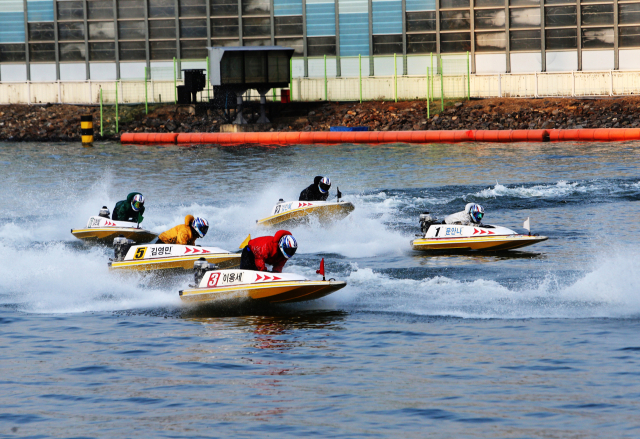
(70, 11)
(162, 49)
(291, 25)
(629, 36)
(488, 3)
(319, 46)
(256, 7)
(528, 2)
(162, 29)
(224, 27)
(525, 40)
(597, 14)
(256, 27)
(222, 8)
(102, 51)
(561, 39)
(258, 42)
(555, 2)
(99, 9)
(193, 49)
(12, 53)
(101, 30)
(629, 13)
(42, 52)
(449, 4)
(131, 30)
(597, 38)
(560, 16)
(132, 51)
(421, 21)
(455, 42)
(71, 52)
(297, 44)
(193, 8)
(421, 43)
(193, 28)
(490, 18)
(387, 44)
(70, 31)
(524, 17)
(161, 8)
(454, 20)
(225, 43)
(130, 9)
(41, 32)
(491, 41)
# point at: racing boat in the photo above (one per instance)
(448, 237)
(212, 285)
(294, 212)
(102, 229)
(167, 256)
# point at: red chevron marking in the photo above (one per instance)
(276, 278)
(483, 232)
(475, 231)
(491, 233)
(205, 251)
(188, 250)
(258, 277)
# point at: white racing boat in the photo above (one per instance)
(213, 285)
(167, 256)
(437, 236)
(102, 229)
(293, 212)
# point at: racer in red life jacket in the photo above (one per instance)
(272, 250)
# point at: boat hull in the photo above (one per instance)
(224, 260)
(324, 213)
(273, 292)
(484, 243)
(107, 234)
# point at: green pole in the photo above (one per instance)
(146, 100)
(428, 96)
(290, 78)
(274, 94)
(117, 129)
(468, 77)
(431, 78)
(175, 83)
(208, 85)
(441, 84)
(360, 74)
(101, 133)
(326, 94)
(395, 78)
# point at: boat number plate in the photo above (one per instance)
(94, 222)
(227, 278)
(213, 279)
(140, 253)
(281, 208)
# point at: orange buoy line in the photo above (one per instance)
(382, 137)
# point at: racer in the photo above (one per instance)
(318, 191)
(272, 250)
(187, 233)
(472, 214)
(130, 209)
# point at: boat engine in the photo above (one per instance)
(104, 212)
(425, 222)
(200, 267)
(121, 246)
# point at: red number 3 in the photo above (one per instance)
(213, 279)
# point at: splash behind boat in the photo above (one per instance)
(103, 230)
(167, 256)
(449, 237)
(259, 286)
(293, 212)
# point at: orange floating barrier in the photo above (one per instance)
(383, 137)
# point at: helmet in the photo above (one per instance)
(200, 225)
(476, 212)
(288, 246)
(137, 202)
(324, 185)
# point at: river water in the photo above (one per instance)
(535, 343)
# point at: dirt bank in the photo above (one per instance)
(62, 122)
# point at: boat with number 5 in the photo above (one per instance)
(152, 257)
(287, 213)
(454, 238)
(212, 285)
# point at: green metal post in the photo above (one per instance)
(431, 78)
(290, 78)
(146, 100)
(428, 96)
(395, 78)
(441, 84)
(117, 129)
(101, 132)
(208, 85)
(326, 93)
(360, 74)
(468, 77)
(175, 83)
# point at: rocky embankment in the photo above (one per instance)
(62, 122)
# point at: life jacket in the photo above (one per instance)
(266, 251)
(181, 234)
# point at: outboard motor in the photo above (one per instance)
(104, 212)
(280, 201)
(121, 246)
(425, 222)
(200, 267)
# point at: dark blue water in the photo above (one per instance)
(536, 343)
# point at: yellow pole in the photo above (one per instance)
(86, 129)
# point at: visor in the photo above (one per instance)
(478, 216)
(288, 252)
(203, 230)
(324, 187)
(137, 205)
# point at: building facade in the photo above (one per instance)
(71, 40)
